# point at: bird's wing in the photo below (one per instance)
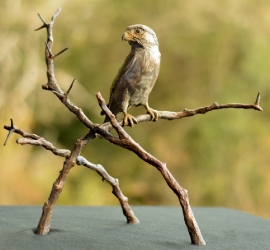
(128, 70)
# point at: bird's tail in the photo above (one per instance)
(106, 119)
(102, 112)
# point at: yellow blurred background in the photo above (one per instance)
(211, 51)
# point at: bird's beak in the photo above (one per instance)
(126, 36)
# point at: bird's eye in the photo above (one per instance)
(138, 31)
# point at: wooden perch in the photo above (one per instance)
(73, 157)
(169, 115)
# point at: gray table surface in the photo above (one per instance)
(75, 227)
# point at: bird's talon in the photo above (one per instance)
(129, 120)
(154, 114)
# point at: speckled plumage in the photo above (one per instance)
(137, 76)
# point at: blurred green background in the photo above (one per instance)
(212, 50)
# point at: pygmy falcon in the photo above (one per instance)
(136, 78)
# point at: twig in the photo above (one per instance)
(20, 132)
(56, 14)
(131, 218)
(45, 144)
(52, 83)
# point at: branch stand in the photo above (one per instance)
(73, 157)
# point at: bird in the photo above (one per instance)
(137, 76)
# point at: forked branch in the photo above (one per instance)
(127, 142)
(131, 218)
(35, 140)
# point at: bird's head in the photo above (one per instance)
(140, 35)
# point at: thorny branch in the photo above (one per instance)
(36, 140)
(71, 156)
(131, 218)
(169, 115)
(123, 140)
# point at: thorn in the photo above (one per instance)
(41, 18)
(12, 129)
(62, 51)
(257, 102)
(258, 98)
(45, 25)
(41, 27)
(45, 86)
(11, 121)
(71, 86)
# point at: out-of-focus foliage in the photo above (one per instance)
(212, 50)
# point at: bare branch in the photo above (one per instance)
(50, 26)
(169, 115)
(56, 14)
(45, 144)
(22, 133)
(127, 142)
(131, 218)
(43, 227)
(121, 132)
(52, 84)
(39, 141)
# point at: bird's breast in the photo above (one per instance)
(142, 77)
(135, 79)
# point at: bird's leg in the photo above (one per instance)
(129, 120)
(152, 112)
